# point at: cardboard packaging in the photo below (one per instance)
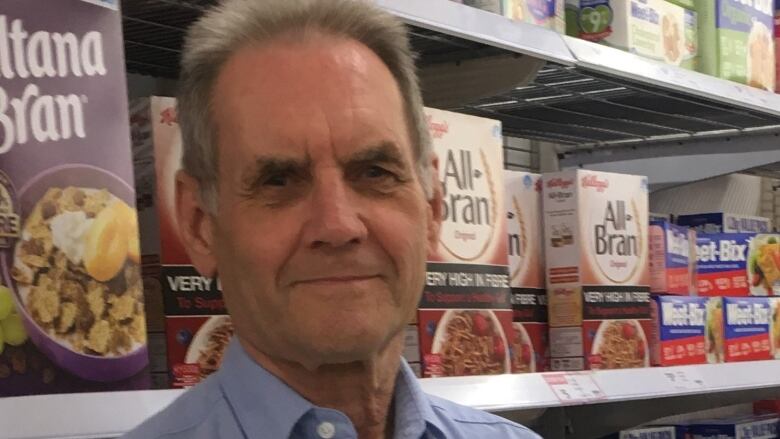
(739, 43)
(764, 265)
(654, 29)
(670, 259)
(545, 13)
(71, 297)
(196, 325)
(528, 346)
(722, 264)
(721, 222)
(774, 326)
(598, 280)
(655, 432)
(465, 315)
(738, 329)
(678, 330)
(777, 48)
(747, 427)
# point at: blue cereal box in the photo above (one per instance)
(670, 254)
(749, 427)
(678, 331)
(738, 329)
(655, 432)
(720, 222)
(722, 264)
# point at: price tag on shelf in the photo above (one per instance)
(682, 378)
(574, 387)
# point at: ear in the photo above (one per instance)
(434, 207)
(195, 224)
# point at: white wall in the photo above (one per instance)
(734, 193)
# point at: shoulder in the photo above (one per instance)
(461, 421)
(200, 412)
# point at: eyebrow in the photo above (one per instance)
(269, 165)
(383, 152)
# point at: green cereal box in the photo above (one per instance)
(654, 29)
(737, 43)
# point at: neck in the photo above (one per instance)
(362, 390)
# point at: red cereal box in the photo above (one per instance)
(669, 258)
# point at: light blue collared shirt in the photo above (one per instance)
(244, 401)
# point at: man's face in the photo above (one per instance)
(322, 227)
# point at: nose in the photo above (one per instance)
(335, 219)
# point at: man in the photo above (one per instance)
(309, 188)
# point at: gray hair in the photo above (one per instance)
(235, 23)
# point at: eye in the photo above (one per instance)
(374, 172)
(278, 180)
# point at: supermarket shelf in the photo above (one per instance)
(586, 96)
(109, 414)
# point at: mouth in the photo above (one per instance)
(336, 280)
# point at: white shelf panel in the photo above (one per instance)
(100, 415)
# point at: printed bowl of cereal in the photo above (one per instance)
(76, 272)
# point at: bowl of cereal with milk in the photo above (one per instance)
(77, 275)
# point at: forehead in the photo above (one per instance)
(301, 92)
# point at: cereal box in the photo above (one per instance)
(722, 268)
(739, 44)
(777, 48)
(598, 281)
(529, 347)
(71, 297)
(721, 222)
(197, 329)
(738, 329)
(544, 13)
(465, 315)
(654, 29)
(669, 258)
(655, 432)
(764, 265)
(747, 427)
(678, 330)
(774, 326)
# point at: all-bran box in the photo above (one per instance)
(465, 315)
(738, 329)
(598, 281)
(544, 13)
(196, 325)
(669, 258)
(739, 43)
(528, 345)
(678, 331)
(721, 222)
(722, 264)
(71, 297)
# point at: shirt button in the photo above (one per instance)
(326, 430)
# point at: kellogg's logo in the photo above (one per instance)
(560, 183)
(437, 129)
(592, 181)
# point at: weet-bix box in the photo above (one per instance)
(465, 316)
(655, 432)
(746, 427)
(738, 329)
(720, 222)
(722, 264)
(670, 258)
(679, 325)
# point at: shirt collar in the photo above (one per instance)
(413, 411)
(264, 405)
